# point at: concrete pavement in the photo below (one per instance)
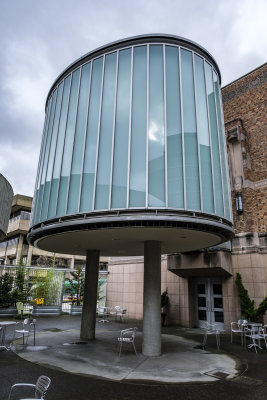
(146, 380)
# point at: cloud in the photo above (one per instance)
(38, 40)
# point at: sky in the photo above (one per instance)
(39, 39)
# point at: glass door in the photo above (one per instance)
(209, 302)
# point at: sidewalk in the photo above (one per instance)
(184, 365)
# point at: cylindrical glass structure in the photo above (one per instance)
(134, 125)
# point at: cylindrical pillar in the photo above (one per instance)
(152, 291)
(90, 295)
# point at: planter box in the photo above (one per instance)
(46, 311)
(8, 312)
(76, 310)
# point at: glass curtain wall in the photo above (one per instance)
(139, 127)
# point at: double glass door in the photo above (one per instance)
(209, 302)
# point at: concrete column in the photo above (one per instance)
(152, 299)
(90, 295)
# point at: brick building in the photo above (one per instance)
(201, 285)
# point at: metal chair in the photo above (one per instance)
(122, 315)
(211, 329)
(127, 336)
(114, 313)
(21, 310)
(238, 328)
(25, 328)
(255, 333)
(41, 386)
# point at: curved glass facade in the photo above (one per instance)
(136, 127)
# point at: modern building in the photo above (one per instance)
(133, 162)
(6, 194)
(201, 284)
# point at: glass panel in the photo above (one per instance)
(52, 152)
(201, 288)
(40, 166)
(138, 134)
(203, 136)
(91, 136)
(78, 149)
(201, 301)
(217, 288)
(190, 134)
(222, 147)
(174, 130)
(202, 315)
(44, 186)
(218, 302)
(106, 134)
(121, 140)
(218, 316)
(68, 145)
(214, 141)
(59, 150)
(156, 139)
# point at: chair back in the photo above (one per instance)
(41, 386)
(117, 308)
(20, 307)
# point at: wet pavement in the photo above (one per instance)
(94, 370)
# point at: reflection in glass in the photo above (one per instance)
(44, 185)
(121, 141)
(138, 131)
(203, 136)
(174, 130)
(91, 136)
(52, 152)
(202, 315)
(217, 288)
(214, 141)
(222, 146)
(40, 166)
(201, 301)
(59, 149)
(218, 316)
(218, 302)
(201, 288)
(156, 139)
(68, 145)
(78, 147)
(106, 134)
(190, 134)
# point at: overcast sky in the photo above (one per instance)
(38, 39)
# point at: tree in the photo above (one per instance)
(77, 285)
(247, 305)
(6, 298)
(21, 289)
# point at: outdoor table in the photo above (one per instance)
(104, 314)
(4, 324)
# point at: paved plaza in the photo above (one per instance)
(94, 370)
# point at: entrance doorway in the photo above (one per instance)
(209, 302)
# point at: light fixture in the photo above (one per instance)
(239, 203)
